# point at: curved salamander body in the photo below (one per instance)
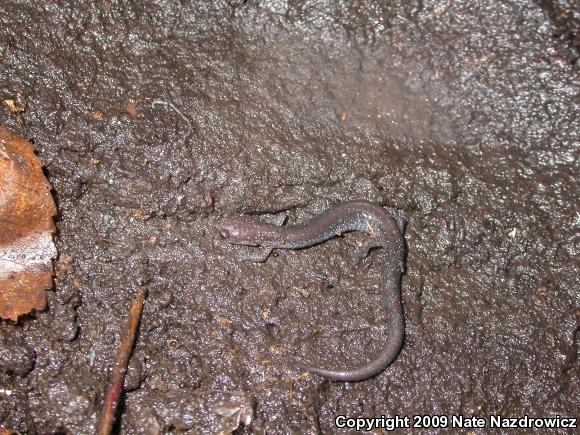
(364, 216)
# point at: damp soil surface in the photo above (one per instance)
(461, 115)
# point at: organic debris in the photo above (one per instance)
(15, 105)
(26, 229)
(119, 370)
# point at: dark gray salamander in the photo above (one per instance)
(364, 216)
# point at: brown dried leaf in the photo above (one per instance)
(26, 229)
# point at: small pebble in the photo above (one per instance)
(16, 358)
(134, 375)
(165, 298)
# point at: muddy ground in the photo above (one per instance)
(462, 116)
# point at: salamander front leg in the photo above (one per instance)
(261, 257)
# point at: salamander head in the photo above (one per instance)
(240, 230)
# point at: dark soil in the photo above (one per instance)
(463, 116)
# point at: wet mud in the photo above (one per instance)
(463, 116)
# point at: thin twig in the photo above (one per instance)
(156, 103)
(117, 379)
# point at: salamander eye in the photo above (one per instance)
(224, 234)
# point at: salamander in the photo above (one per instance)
(385, 232)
